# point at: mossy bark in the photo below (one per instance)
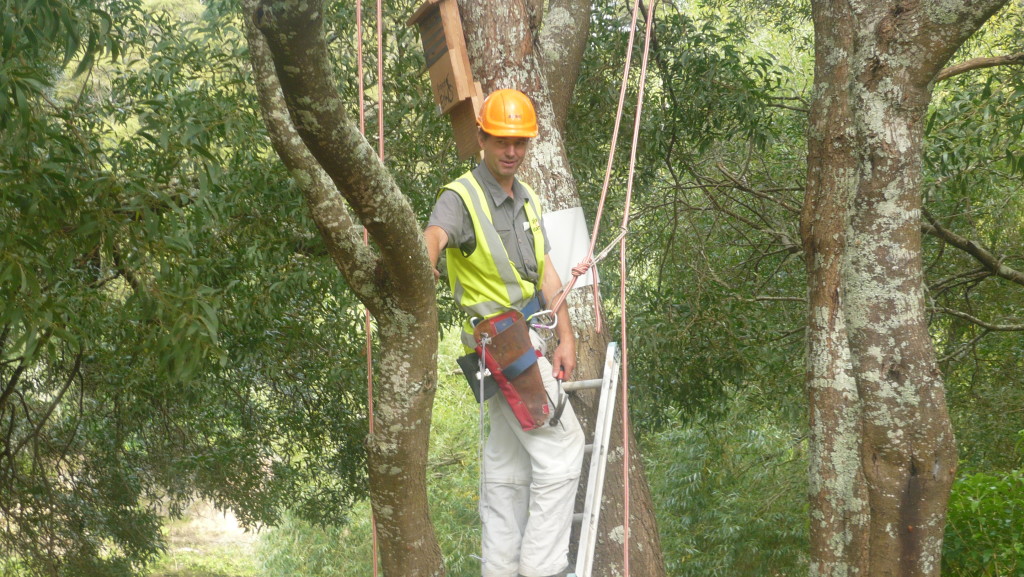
(883, 454)
(344, 182)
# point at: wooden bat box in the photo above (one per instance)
(451, 79)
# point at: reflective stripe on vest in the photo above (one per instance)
(486, 283)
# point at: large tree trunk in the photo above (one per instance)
(882, 450)
(506, 49)
(337, 169)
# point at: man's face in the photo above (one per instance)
(503, 154)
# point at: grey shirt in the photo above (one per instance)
(507, 213)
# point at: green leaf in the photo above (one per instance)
(88, 58)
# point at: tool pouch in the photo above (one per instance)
(504, 343)
(470, 365)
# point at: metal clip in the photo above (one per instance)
(545, 320)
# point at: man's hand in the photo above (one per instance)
(564, 359)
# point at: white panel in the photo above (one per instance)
(570, 240)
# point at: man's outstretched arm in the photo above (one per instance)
(436, 240)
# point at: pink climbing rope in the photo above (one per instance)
(590, 260)
(622, 285)
(367, 321)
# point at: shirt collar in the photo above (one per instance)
(494, 190)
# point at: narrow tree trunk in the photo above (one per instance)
(394, 280)
(838, 500)
(405, 379)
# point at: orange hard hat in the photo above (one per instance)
(508, 112)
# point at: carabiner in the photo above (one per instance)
(542, 321)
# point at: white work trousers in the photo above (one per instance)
(528, 485)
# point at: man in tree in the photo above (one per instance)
(489, 225)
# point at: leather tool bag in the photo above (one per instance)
(504, 343)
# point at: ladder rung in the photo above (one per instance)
(577, 517)
(580, 385)
(588, 448)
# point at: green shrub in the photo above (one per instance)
(297, 547)
(731, 497)
(985, 530)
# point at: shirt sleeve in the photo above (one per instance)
(451, 215)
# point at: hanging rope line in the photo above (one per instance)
(622, 280)
(367, 320)
(590, 259)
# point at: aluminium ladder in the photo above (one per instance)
(598, 450)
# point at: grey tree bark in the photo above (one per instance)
(341, 175)
(516, 45)
(883, 454)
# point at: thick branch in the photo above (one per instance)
(945, 26)
(978, 63)
(340, 233)
(294, 34)
(563, 39)
(973, 248)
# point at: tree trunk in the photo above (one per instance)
(504, 46)
(331, 161)
(563, 40)
(883, 455)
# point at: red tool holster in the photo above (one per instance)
(504, 343)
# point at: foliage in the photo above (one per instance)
(730, 495)
(715, 288)
(39, 38)
(170, 325)
(983, 534)
(296, 547)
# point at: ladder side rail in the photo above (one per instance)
(598, 462)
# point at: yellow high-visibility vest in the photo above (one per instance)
(486, 283)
